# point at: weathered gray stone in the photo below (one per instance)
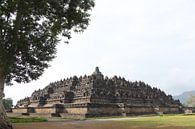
(98, 96)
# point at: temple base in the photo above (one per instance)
(73, 110)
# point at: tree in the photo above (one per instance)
(29, 33)
(8, 104)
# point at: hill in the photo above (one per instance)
(186, 98)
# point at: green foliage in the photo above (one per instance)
(7, 103)
(30, 31)
(27, 120)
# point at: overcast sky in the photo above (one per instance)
(148, 40)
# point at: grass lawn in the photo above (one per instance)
(167, 121)
(27, 120)
(151, 122)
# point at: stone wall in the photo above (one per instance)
(139, 110)
(168, 110)
(23, 110)
(95, 110)
(76, 111)
(48, 110)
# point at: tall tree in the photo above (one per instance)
(8, 104)
(29, 33)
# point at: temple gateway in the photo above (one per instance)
(96, 95)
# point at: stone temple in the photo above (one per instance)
(96, 95)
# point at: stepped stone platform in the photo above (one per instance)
(96, 95)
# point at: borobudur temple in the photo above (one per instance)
(96, 95)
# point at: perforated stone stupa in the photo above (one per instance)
(96, 95)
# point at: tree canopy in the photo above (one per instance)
(30, 31)
(8, 104)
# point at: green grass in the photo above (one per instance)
(141, 122)
(164, 120)
(110, 117)
(27, 120)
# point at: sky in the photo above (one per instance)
(148, 40)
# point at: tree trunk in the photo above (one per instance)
(4, 122)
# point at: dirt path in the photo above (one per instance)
(89, 124)
(68, 125)
(74, 124)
